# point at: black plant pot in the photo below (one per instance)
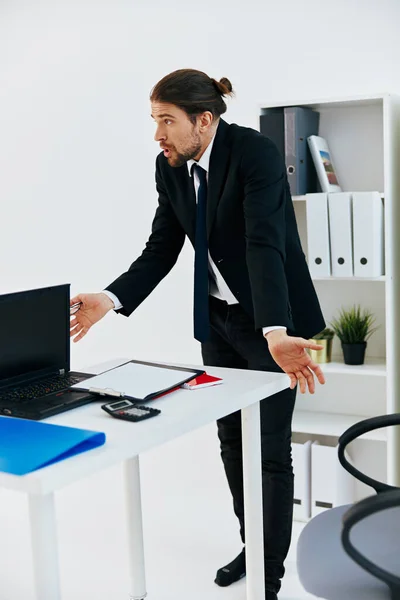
(354, 354)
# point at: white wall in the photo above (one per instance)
(76, 148)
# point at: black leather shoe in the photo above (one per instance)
(232, 572)
(235, 571)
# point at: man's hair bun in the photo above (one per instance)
(223, 86)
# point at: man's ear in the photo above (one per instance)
(205, 120)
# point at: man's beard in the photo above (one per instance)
(181, 158)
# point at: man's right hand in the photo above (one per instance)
(93, 308)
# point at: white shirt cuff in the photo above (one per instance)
(266, 330)
(114, 298)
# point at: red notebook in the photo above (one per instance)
(202, 381)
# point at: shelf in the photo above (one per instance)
(304, 198)
(343, 102)
(319, 423)
(372, 367)
(381, 278)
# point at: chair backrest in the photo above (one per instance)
(388, 497)
(354, 432)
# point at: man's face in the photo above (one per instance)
(177, 135)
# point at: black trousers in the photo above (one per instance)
(235, 343)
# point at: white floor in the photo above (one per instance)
(190, 531)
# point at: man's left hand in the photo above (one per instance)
(290, 355)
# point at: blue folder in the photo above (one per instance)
(26, 446)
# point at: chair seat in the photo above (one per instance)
(325, 569)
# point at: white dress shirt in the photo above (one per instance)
(218, 285)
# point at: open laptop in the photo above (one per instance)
(35, 354)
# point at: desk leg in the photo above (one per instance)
(135, 528)
(253, 513)
(44, 547)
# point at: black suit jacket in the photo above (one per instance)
(252, 233)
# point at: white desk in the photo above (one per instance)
(182, 411)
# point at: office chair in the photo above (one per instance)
(352, 552)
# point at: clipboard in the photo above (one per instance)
(138, 381)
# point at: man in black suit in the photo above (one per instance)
(255, 306)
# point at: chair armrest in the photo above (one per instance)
(354, 432)
(357, 513)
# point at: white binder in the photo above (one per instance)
(331, 484)
(340, 227)
(368, 237)
(319, 256)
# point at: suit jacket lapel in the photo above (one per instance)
(219, 160)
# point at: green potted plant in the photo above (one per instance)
(353, 327)
(325, 339)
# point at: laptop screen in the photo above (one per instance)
(34, 333)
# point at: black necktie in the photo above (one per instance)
(201, 312)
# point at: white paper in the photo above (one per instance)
(135, 380)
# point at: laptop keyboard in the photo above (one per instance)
(38, 389)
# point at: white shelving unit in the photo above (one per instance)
(373, 367)
(323, 424)
(363, 133)
(304, 198)
(381, 278)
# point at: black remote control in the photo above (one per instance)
(128, 411)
